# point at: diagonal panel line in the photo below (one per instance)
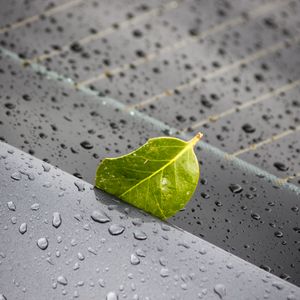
(32, 19)
(239, 163)
(239, 20)
(253, 101)
(111, 29)
(282, 181)
(269, 140)
(255, 56)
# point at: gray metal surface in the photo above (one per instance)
(175, 68)
(51, 248)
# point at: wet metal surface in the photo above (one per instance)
(230, 70)
(57, 225)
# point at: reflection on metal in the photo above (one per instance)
(253, 101)
(48, 12)
(269, 140)
(239, 20)
(111, 29)
(251, 58)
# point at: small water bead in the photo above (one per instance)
(11, 205)
(62, 280)
(220, 290)
(112, 296)
(56, 220)
(23, 228)
(16, 176)
(42, 243)
(278, 234)
(35, 206)
(100, 216)
(140, 253)
(101, 282)
(116, 229)
(80, 256)
(79, 185)
(134, 259)
(235, 188)
(164, 272)
(255, 216)
(139, 235)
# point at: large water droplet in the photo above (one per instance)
(116, 229)
(56, 220)
(134, 259)
(235, 188)
(139, 235)
(100, 216)
(11, 206)
(42, 243)
(62, 280)
(2, 297)
(220, 290)
(112, 296)
(23, 228)
(79, 185)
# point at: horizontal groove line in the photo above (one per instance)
(109, 30)
(32, 19)
(255, 56)
(184, 42)
(269, 140)
(253, 101)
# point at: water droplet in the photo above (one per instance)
(35, 206)
(23, 228)
(62, 280)
(255, 216)
(116, 229)
(278, 234)
(56, 220)
(134, 259)
(42, 243)
(248, 128)
(235, 188)
(46, 167)
(79, 185)
(164, 272)
(16, 176)
(220, 290)
(112, 296)
(139, 235)
(101, 282)
(86, 145)
(140, 253)
(100, 216)
(2, 297)
(280, 166)
(80, 256)
(278, 285)
(11, 206)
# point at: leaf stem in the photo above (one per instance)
(196, 139)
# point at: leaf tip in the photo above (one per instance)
(196, 138)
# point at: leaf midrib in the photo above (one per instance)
(189, 145)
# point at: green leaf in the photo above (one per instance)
(160, 177)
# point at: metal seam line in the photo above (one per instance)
(239, 163)
(252, 57)
(239, 20)
(269, 140)
(282, 181)
(32, 19)
(251, 102)
(111, 29)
